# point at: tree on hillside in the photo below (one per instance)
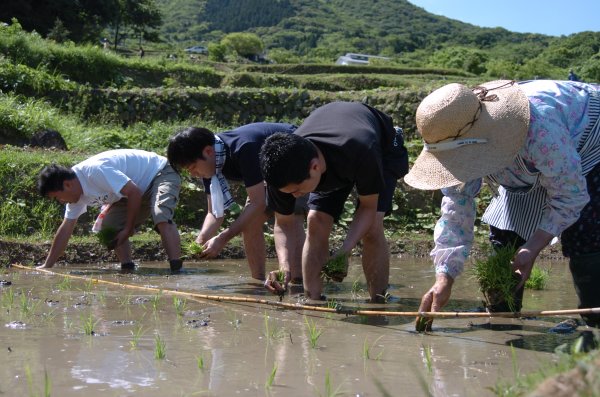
(247, 45)
(139, 15)
(83, 19)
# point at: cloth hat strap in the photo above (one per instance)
(449, 145)
(220, 196)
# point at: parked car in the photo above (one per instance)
(357, 59)
(197, 49)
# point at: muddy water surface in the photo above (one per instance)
(231, 349)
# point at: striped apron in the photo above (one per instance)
(521, 210)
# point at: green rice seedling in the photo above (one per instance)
(497, 281)
(33, 391)
(125, 301)
(155, 301)
(357, 292)
(107, 237)
(88, 286)
(272, 331)
(50, 316)
(336, 268)
(102, 297)
(180, 305)
(513, 356)
(65, 284)
(160, 348)
(193, 249)
(271, 377)
(27, 305)
(88, 323)
(313, 332)
(136, 335)
(200, 362)
(329, 391)
(367, 349)
(428, 357)
(538, 279)
(8, 298)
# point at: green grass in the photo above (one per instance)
(495, 276)
(566, 360)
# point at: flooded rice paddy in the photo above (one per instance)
(77, 337)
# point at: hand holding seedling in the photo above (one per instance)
(212, 247)
(336, 268)
(434, 300)
(526, 255)
(277, 281)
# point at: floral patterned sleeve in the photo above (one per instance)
(552, 152)
(453, 234)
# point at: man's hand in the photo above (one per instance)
(122, 237)
(434, 300)
(274, 283)
(213, 247)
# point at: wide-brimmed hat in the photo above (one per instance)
(468, 133)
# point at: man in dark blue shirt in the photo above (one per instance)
(233, 156)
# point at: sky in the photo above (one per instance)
(550, 17)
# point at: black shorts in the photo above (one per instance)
(332, 203)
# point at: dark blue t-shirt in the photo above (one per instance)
(243, 145)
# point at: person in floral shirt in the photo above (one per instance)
(537, 145)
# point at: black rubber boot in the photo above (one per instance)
(176, 265)
(128, 266)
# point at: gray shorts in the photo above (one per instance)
(159, 201)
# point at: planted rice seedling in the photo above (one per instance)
(27, 305)
(427, 357)
(33, 391)
(88, 323)
(65, 284)
(313, 332)
(271, 377)
(367, 349)
(160, 348)
(497, 281)
(180, 305)
(200, 362)
(272, 331)
(136, 334)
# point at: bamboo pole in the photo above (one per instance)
(335, 310)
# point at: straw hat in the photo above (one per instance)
(468, 133)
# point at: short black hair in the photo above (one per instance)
(285, 158)
(51, 178)
(187, 145)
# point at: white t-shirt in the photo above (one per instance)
(103, 176)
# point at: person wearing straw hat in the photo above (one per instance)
(340, 146)
(537, 145)
(233, 156)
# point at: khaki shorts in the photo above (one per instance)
(159, 201)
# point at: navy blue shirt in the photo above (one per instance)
(242, 147)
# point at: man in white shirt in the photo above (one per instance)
(131, 185)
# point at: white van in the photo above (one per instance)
(357, 59)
